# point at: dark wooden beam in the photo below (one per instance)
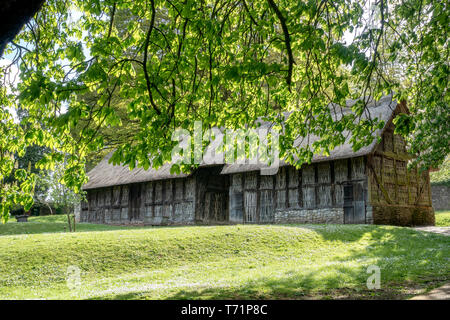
(393, 155)
(14, 14)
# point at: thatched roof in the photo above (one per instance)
(105, 174)
(382, 109)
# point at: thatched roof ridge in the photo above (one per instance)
(106, 175)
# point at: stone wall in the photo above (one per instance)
(369, 214)
(322, 215)
(441, 197)
(403, 216)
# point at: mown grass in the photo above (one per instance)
(51, 224)
(222, 262)
(443, 218)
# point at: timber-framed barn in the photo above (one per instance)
(370, 186)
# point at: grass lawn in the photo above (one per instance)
(50, 224)
(443, 218)
(224, 262)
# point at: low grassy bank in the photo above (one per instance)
(50, 224)
(225, 262)
(443, 218)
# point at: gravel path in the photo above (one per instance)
(442, 293)
(441, 230)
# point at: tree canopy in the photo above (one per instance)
(226, 63)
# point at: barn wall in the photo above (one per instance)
(161, 202)
(170, 202)
(313, 194)
(106, 205)
(398, 195)
(252, 198)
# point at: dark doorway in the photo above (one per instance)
(215, 206)
(212, 196)
(354, 205)
(134, 203)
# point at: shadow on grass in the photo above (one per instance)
(288, 287)
(408, 260)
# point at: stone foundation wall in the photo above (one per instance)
(369, 214)
(323, 215)
(403, 216)
(441, 197)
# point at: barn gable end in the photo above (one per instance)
(397, 195)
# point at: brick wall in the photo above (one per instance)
(403, 216)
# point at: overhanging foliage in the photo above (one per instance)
(225, 63)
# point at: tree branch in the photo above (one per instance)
(248, 11)
(147, 41)
(287, 41)
(111, 21)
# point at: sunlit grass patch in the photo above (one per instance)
(443, 218)
(50, 224)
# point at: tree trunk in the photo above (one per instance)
(50, 208)
(68, 221)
